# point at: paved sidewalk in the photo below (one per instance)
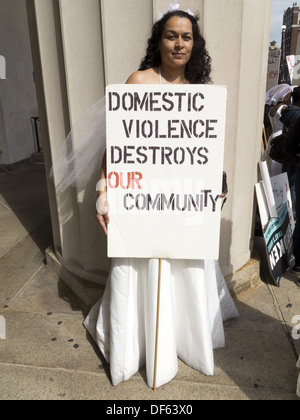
(47, 353)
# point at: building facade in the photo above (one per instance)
(290, 37)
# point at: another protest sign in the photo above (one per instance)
(278, 238)
(273, 68)
(277, 224)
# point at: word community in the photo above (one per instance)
(172, 409)
(172, 202)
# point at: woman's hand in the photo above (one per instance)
(104, 221)
(102, 203)
(102, 209)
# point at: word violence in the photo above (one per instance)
(175, 129)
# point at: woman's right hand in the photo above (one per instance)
(102, 205)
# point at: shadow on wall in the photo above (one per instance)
(83, 243)
(23, 195)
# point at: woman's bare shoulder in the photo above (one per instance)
(149, 76)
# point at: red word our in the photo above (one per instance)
(124, 180)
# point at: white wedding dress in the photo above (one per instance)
(194, 302)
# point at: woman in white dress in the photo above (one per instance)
(194, 298)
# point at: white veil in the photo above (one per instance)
(81, 154)
(75, 172)
(277, 94)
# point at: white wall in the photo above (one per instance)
(17, 91)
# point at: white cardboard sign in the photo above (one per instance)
(273, 68)
(165, 148)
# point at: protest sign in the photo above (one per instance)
(290, 59)
(278, 238)
(282, 194)
(275, 247)
(273, 68)
(165, 148)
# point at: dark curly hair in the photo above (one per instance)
(198, 68)
(296, 94)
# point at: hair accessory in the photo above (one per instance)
(173, 6)
(277, 93)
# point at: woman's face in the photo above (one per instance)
(177, 42)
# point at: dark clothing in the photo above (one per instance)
(289, 116)
(296, 235)
(292, 139)
(292, 145)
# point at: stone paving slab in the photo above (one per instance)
(26, 383)
(45, 335)
(21, 262)
(45, 293)
(47, 340)
(25, 190)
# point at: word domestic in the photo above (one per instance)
(156, 101)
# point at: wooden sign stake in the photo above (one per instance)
(157, 324)
(266, 151)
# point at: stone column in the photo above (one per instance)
(70, 78)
